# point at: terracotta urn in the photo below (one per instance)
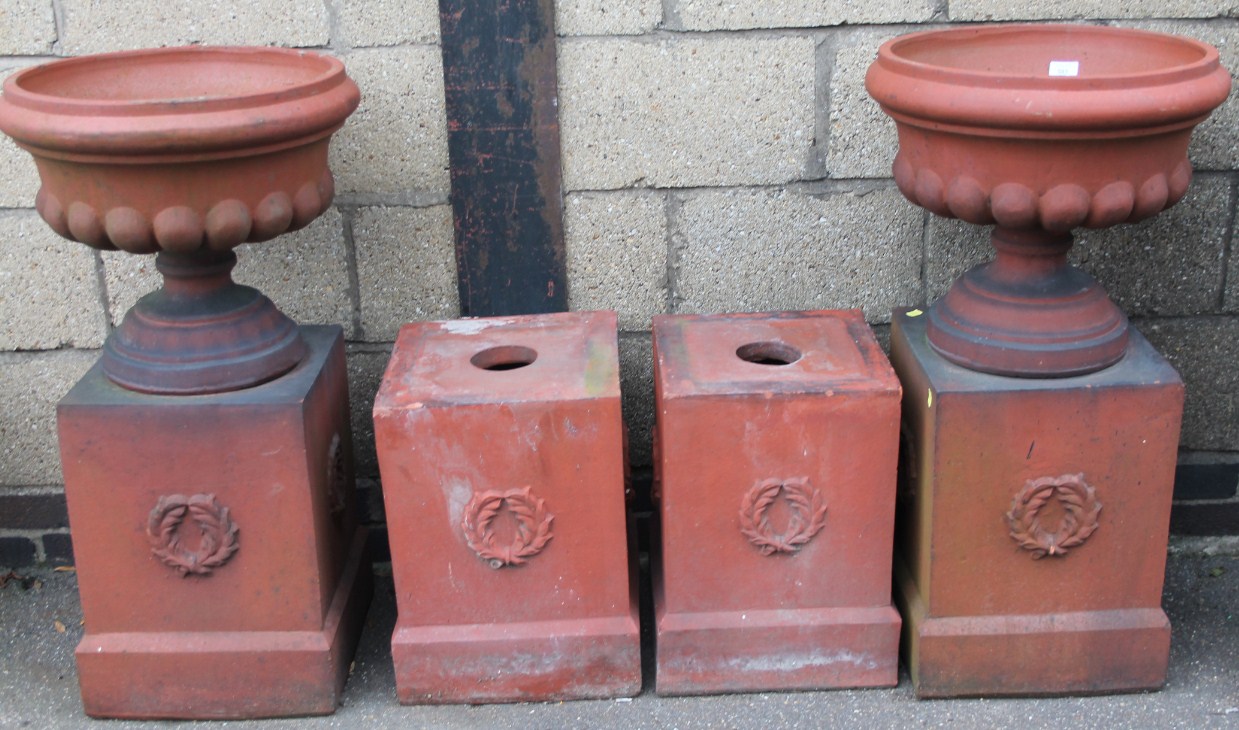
(185, 153)
(1039, 130)
(221, 566)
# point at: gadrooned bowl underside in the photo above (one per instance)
(186, 208)
(180, 149)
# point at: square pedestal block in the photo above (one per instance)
(218, 554)
(777, 445)
(500, 444)
(1033, 520)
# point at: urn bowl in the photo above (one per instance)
(184, 150)
(1052, 127)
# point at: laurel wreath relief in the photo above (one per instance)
(1080, 511)
(218, 541)
(533, 526)
(807, 519)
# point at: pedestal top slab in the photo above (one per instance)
(528, 358)
(774, 352)
(1140, 365)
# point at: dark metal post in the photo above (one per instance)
(503, 143)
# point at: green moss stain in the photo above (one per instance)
(600, 368)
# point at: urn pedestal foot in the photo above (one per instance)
(220, 564)
(588, 658)
(776, 649)
(776, 454)
(500, 442)
(201, 332)
(1028, 313)
(1033, 517)
(1070, 652)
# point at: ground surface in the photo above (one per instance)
(40, 624)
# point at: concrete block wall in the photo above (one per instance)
(717, 156)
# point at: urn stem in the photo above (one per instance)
(1028, 256)
(187, 276)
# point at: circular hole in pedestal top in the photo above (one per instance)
(504, 357)
(768, 353)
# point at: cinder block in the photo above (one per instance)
(1231, 302)
(1204, 350)
(32, 383)
(1214, 143)
(778, 436)
(500, 445)
(27, 28)
(49, 292)
(1210, 520)
(396, 141)
(599, 17)
(1169, 265)
(58, 548)
(732, 15)
(34, 508)
(21, 179)
(637, 390)
(16, 552)
(128, 278)
(883, 334)
(951, 248)
(617, 254)
(687, 111)
(94, 27)
(1206, 475)
(406, 268)
(985, 10)
(366, 364)
(372, 23)
(860, 139)
(305, 273)
(745, 250)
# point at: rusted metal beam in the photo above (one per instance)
(503, 144)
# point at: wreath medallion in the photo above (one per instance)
(807, 519)
(1080, 509)
(218, 539)
(533, 526)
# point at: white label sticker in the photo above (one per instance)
(1064, 68)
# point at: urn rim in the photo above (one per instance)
(187, 100)
(996, 77)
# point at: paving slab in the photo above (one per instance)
(38, 682)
